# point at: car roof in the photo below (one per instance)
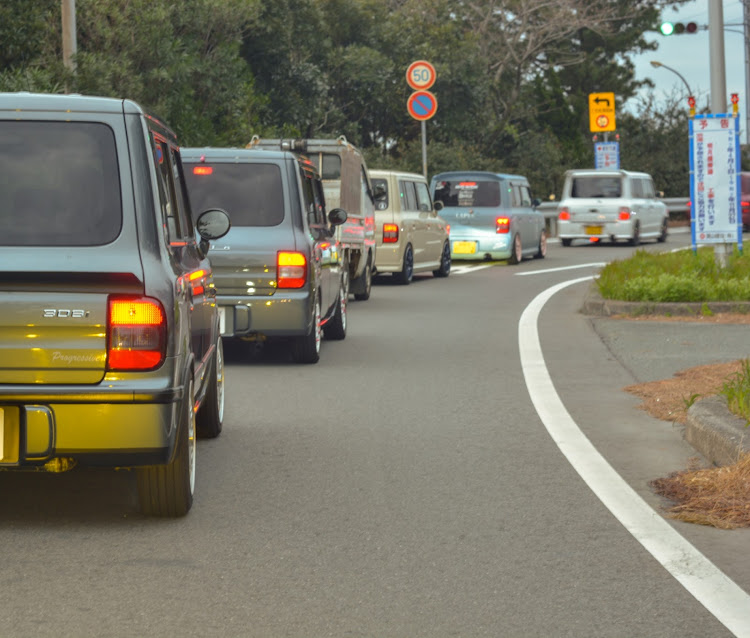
(234, 154)
(24, 101)
(377, 172)
(576, 172)
(478, 175)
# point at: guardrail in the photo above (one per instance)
(677, 206)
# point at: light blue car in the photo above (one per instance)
(492, 216)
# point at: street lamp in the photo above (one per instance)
(656, 65)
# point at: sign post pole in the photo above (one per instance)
(421, 104)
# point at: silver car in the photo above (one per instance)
(612, 205)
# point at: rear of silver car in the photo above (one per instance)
(592, 208)
(255, 297)
(77, 385)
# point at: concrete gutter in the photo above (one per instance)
(715, 432)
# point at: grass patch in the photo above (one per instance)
(682, 276)
(737, 391)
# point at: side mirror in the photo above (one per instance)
(438, 205)
(378, 192)
(337, 216)
(535, 202)
(213, 223)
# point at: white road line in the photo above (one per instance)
(708, 584)
(460, 270)
(595, 264)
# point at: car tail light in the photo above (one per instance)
(745, 207)
(202, 170)
(564, 215)
(502, 224)
(136, 334)
(448, 229)
(624, 214)
(390, 233)
(291, 269)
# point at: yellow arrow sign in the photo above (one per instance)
(601, 112)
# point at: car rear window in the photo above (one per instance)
(59, 184)
(467, 192)
(251, 194)
(596, 186)
(745, 183)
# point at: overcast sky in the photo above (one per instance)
(688, 54)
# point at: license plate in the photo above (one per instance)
(222, 320)
(464, 247)
(594, 230)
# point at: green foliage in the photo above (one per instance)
(737, 391)
(682, 276)
(512, 78)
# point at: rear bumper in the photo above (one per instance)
(484, 246)
(597, 229)
(284, 314)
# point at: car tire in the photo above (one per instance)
(517, 255)
(635, 240)
(210, 417)
(445, 262)
(167, 490)
(664, 231)
(307, 349)
(566, 242)
(363, 283)
(335, 329)
(407, 267)
(541, 251)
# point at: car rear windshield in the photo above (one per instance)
(745, 183)
(59, 184)
(251, 194)
(597, 186)
(467, 192)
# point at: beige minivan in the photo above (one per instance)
(411, 236)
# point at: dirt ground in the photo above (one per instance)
(669, 399)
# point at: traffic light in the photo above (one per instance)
(677, 28)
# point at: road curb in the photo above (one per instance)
(711, 428)
(719, 435)
(595, 304)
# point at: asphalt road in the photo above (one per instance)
(404, 486)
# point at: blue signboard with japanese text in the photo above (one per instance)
(607, 155)
(716, 216)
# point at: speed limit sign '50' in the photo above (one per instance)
(420, 75)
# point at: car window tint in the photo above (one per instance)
(252, 194)
(423, 197)
(515, 196)
(467, 193)
(408, 196)
(648, 189)
(636, 186)
(59, 184)
(331, 166)
(745, 182)
(597, 186)
(383, 202)
(525, 194)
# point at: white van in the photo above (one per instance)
(410, 235)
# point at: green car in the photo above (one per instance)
(110, 353)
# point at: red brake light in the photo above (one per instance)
(624, 214)
(448, 228)
(502, 225)
(564, 215)
(202, 170)
(291, 269)
(390, 233)
(136, 334)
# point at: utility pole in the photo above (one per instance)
(69, 41)
(746, 22)
(718, 86)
